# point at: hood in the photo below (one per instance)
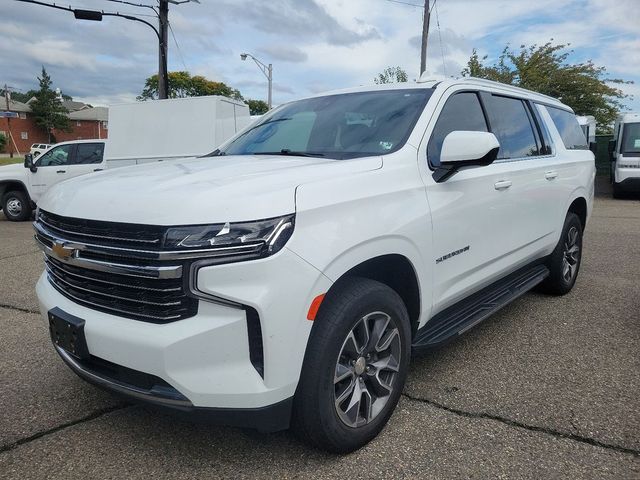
(11, 172)
(199, 190)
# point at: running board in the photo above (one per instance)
(467, 313)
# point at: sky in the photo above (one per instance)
(314, 45)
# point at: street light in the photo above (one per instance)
(267, 70)
(162, 12)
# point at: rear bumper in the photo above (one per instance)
(270, 418)
(630, 184)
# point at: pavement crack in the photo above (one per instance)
(97, 414)
(531, 428)
(19, 309)
(19, 255)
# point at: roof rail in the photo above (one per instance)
(506, 86)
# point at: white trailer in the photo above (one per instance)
(625, 154)
(157, 130)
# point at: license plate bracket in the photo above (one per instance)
(67, 332)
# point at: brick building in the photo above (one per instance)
(86, 122)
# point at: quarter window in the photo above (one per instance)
(568, 128)
(511, 124)
(461, 112)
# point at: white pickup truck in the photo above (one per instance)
(22, 185)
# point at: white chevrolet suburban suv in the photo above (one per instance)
(286, 278)
(22, 185)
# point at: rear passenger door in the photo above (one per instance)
(89, 157)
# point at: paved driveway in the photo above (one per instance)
(548, 387)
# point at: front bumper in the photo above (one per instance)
(206, 358)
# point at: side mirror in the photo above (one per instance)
(465, 149)
(28, 162)
(593, 146)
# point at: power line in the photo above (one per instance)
(444, 68)
(178, 47)
(405, 3)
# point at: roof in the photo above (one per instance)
(73, 106)
(444, 83)
(628, 117)
(73, 142)
(95, 113)
(14, 106)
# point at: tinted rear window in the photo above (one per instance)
(631, 140)
(569, 129)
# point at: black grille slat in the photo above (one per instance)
(157, 300)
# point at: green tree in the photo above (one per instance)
(182, 84)
(391, 75)
(3, 142)
(257, 107)
(48, 112)
(585, 87)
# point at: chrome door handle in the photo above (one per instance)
(502, 184)
(61, 171)
(550, 175)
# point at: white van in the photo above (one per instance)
(625, 154)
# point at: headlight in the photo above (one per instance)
(259, 238)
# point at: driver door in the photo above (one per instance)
(52, 167)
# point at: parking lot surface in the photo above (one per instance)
(546, 388)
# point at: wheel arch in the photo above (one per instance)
(580, 208)
(11, 185)
(394, 270)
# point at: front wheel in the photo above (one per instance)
(564, 262)
(355, 366)
(16, 206)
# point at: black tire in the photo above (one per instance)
(617, 191)
(16, 206)
(558, 282)
(316, 418)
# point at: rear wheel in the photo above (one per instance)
(355, 366)
(564, 262)
(617, 191)
(16, 206)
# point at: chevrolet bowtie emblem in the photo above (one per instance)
(62, 252)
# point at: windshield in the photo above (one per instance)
(631, 140)
(339, 126)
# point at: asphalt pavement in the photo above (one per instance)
(547, 388)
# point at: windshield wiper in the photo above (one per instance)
(293, 153)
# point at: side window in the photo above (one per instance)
(568, 128)
(56, 156)
(511, 124)
(89, 153)
(461, 112)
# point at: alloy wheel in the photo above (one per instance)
(366, 369)
(570, 255)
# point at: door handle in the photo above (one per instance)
(97, 169)
(61, 171)
(550, 175)
(502, 184)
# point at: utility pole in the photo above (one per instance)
(163, 30)
(270, 77)
(6, 97)
(425, 37)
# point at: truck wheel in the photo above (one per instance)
(617, 191)
(564, 262)
(16, 206)
(355, 366)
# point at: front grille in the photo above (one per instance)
(113, 268)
